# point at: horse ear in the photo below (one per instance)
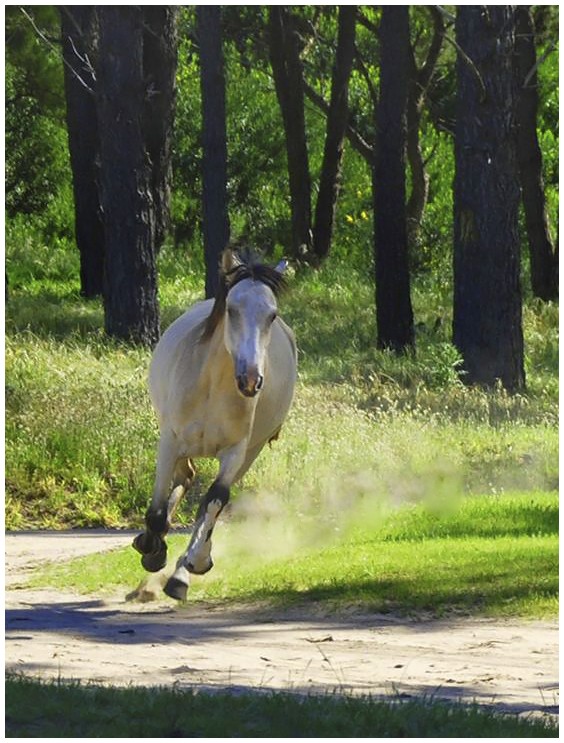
(281, 266)
(229, 261)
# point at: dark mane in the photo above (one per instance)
(249, 267)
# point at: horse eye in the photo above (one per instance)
(272, 317)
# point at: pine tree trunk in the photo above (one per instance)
(544, 279)
(78, 30)
(130, 296)
(215, 222)
(337, 118)
(160, 52)
(394, 313)
(288, 81)
(487, 296)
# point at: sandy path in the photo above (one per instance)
(510, 664)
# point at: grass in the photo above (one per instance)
(393, 488)
(35, 709)
(366, 427)
(492, 556)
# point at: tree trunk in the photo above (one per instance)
(215, 220)
(78, 30)
(487, 296)
(130, 296)
(289, 84)
(337, 118)
(393, 302)
(160, 56)
(418, 84)
(541, 251)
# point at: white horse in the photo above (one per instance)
(221, 380)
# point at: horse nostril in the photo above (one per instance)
(260, 380)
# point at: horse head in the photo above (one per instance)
(251, 290)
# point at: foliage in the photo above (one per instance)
(38, 174)
(37, 164)
(35, 709)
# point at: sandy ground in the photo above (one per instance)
(512, 665)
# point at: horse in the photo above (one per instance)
(221, 381)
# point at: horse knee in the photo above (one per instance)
(217, 498)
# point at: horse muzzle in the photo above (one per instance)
(249, 384)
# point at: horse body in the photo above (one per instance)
(221, 381)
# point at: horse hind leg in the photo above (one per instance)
(184, 473)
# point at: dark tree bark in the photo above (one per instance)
(418, 85)
(543, 261)
(289, 84)
(487, 326)
(337, 118)
(394, 313)
(130, 295)
(78, 30)
(215, 222)
(160, 56)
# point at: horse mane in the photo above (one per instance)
(248, 266)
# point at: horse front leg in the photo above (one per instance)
(197, 558)
(180, 471)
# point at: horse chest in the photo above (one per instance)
(206, 428)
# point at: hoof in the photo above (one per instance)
(176, 589)
(145, 543)
(155, 561)
(200, 569)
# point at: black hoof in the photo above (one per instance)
(176, 589)
(155, 561)
(145, 543)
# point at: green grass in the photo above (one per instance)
(366, 427)
(493, 556)
(55, 710)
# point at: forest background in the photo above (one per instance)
(60, 363)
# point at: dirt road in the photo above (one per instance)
(509, 664)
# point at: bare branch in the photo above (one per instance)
(54, 48)
(538, 63)
(365, 150)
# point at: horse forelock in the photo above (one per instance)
(249, 268)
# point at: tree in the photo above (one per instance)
(215, 221)
(487, 297)
(543, 258)
(419, 82)
(130, 295)
(160, 59)
(394, 313)
(289, 84)
(79, 41)
(337, 118)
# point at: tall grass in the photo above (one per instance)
(81, 437)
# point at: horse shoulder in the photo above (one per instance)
(178, 357)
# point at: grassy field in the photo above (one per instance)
(393, 488)
(81, 437)
(489, 555)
